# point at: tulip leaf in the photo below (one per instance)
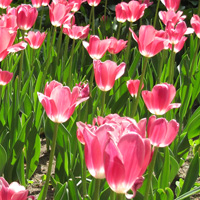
(188, 194)
(169, 193)
(192, 174)
(61, 194)
(174, 167)
(163, 180)
(20, 169)
(3, 158)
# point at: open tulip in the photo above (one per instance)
(14, 191)
(93, 2)
(9, 21)
(116, 45)
(77, 32)
(150, 40)
(96, 47)
(26, 16)
(5, 77)
(158, 101)
(171, 4)
(195, 22)
(133, 86)
(36, 3)
(59, 102)
(5, 3)
(35, 40)
(161, 132)
(125, 161)
(106, 73)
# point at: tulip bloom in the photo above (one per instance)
(158, 101)
(161, 132)
(45, 2)
(121, 11)
(26, 16)
(116, 45)
(125, 161)
(96, 47)
(133, 86)
(5, 77)
(171, 4)
(35, 40)
(106, 73)
(150, 40)
(77, 32)
(147, 2)
(9, 21)
(36, 3)
(93, 2)
(195, 22)
(59, 102)
(76, 5)
(58, 11)
(14, 191)
(5, 3)
(6, 41)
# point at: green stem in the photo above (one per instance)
(150, 173)
(172, 60)
(93, 21)
(103, 102)
(71, 63)
(193, 59)
(119, 30)
(42, 13)
(164, 52)
(156, 14)
(91, 80)
(112, 195)
(129, 46)
(65, 56)
(106, 2)
(53, 147)
(140, 87)
(97, 189)
(120, 197)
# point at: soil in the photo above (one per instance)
(35, 187)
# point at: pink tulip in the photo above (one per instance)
(135, 11)
(9, 21)
(161, 132)
(58, 12)
(106, 73)
(94, 148)
(121, 11)
(35, 40)
(133, 86)
(26, 16)
(158, 101)
(5, 77)
(171, 4)
(84, 90)
(36, 3)
(116, 45)
(77, 32)
(93, 2)
(14, 191)
(171, 16)
(147, 2)
(45, 2)
(150, 41)
(125, 161)
(69, 21)
(96, 47)
(6, 43)
(59, 102)
(195, 22)
(76, 5)
(5, 3)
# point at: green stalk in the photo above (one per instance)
(172, 60)
(140, 87)
(164, 52)
(128, 46)
(93, 21)
(119, 30)
(91, 80)
(106, 2)
(120, 197)
(112, 195)
(193, 59)
(53, 147)
(42, 13)
(150, 172)
(156, 14)
(97, 189)
(65, 56)
(103, 102)
(71, 63)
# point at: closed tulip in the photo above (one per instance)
(36, 3)
(5, 3)
(121, 11)
(35, 39)
(158, 101)
(116, 45)
(195, 23)
(133, 86)
(161, 132)
(59, 102)
(106, 73)
(150, 41)
(26, 16)
(93, 2)
(171, 4)
(14, 191)
(5, 77)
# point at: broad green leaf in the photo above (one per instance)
(3, 159)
